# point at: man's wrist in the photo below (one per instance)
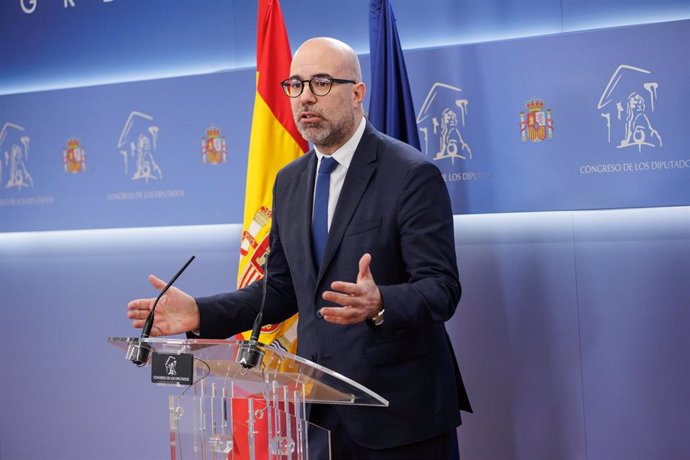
(376, 319)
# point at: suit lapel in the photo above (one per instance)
(303, 213)
(358, 176)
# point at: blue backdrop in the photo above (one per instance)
(532, 124)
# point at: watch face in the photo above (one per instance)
(377, 319)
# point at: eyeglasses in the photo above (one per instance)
(319, 86)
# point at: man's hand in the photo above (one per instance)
(359, 300)
(176, 313)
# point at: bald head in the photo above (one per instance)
(326, 50)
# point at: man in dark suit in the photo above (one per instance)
(373, 292)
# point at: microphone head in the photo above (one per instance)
(139, 353)
(249, 354)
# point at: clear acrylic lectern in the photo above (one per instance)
(231, 412)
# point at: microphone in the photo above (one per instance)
(249, 354)
(137, 351)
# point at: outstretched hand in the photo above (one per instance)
(359, 301)
(177, 311)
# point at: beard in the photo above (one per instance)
(325, 131)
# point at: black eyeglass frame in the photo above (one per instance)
(285, 84)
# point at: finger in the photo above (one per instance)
(139, 304)
(156, 282)
(340, 315)
(346, 288)
(138, 313)
(337, 320)
(342, 299)
(364, 269)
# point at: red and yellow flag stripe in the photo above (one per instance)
(274, 142)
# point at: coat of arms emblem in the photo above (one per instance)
(537, 124)
(74, 157)
(214, 148)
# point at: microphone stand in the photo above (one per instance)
(249, 353)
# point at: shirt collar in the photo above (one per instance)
(345, 153)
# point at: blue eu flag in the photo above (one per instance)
(390, 106)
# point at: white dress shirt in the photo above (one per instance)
(343, 156)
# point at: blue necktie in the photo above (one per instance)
(319, 225)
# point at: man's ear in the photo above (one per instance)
(359, 90)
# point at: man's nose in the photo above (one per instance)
(307, 95)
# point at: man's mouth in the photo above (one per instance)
(309, 117)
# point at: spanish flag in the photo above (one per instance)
(274, 142)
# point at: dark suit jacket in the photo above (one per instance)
(395, 206)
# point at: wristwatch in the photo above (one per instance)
(377, 319)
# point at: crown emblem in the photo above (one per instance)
(535, 105)
(73, 143)
(213, 132)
